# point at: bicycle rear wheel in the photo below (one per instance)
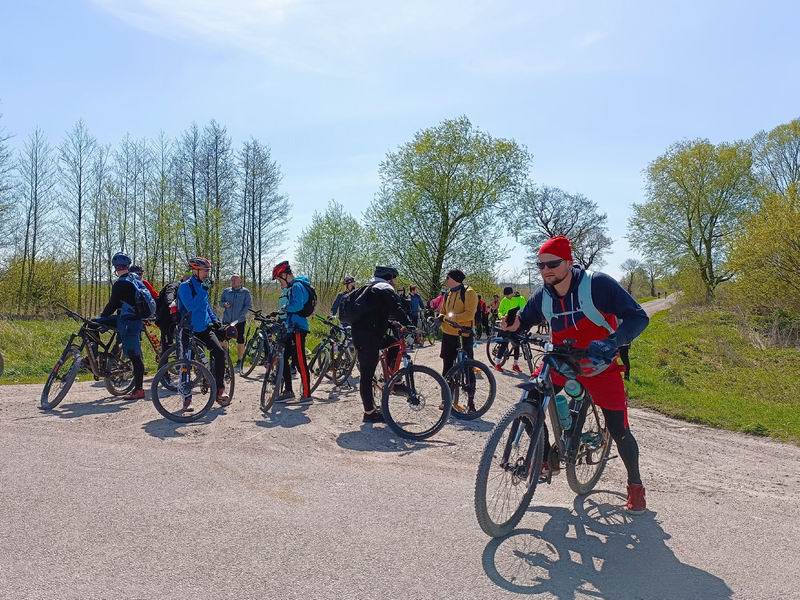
(344, 365)
(193, 395)
(253, 354)
(508, 471)
(273, 380)
(120, 379)
(61, 377)
(416, 402)
(474, 396)
(495, 353)
(320, 364)
(593, 443)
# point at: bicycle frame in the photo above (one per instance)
(403, 358)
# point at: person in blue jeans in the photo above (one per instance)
(294, 295)
(194, 303)
(127, 322)
(416, 305)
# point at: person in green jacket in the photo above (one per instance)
(510, 305)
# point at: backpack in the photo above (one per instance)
(590, 311)
(145, 305)
(354, 307)
(311, 303)
(167, 295)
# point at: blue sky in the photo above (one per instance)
(595, 90)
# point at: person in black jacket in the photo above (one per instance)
(349, 286)
(370, 334)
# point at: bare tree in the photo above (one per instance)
(6, 189)
(37, 175)
(548, 212)
(776, 157)
(76, 156)
(631, 268)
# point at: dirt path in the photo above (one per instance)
(103, 499)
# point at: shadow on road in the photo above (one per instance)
(474, 425)
(613, 555)
(164, 428)
(379, 438)
(101, 406)
(286, 416)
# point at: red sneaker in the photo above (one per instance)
(516, 368)
(636, 503)
(498, 368)
(135, 395)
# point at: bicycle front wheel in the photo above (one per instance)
(473, 388)
(591, 442)
(61, 377)
(509, 470)
(416, 402)
(495, 352)
(193, 391)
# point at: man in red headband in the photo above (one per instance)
(594, 310)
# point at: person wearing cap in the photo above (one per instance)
(236, 301)
(349, 285)
(370, 334)
(613, 320)
(295, 293)
(507, 310)
(127, 322)
(460, 305)
(416, 304)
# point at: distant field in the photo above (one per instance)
(697, 365)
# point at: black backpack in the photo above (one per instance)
(355, 305)
(311, 303)
(166, 296)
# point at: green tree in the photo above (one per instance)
(776, 157)
(697, 195)
(439, 200)
(334, 245)
(766, 256)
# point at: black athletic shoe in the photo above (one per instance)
(373, 417)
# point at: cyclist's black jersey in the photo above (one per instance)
(122, 291)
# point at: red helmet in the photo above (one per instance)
(198, 262)
(280, 269)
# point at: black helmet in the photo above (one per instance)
(120, 259)
(349, 279)
(386, 273)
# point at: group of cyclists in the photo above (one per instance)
(590, 310)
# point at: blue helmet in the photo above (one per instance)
(120, 259)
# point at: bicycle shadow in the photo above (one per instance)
(286, 416)
(164, 428)
(102, 406)
(369, 438)
(479, 425)
(613, 555)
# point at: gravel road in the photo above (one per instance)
(105, 499)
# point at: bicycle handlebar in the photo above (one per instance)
(459, 326)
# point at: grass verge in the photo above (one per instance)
(696, 365)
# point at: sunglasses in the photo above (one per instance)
(550, 264)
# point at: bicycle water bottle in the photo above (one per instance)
(562, 408)
(573, 389)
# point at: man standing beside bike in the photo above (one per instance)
(196, 305)
(460, 305)
(236, 301)
(297, 290)
(349, 286)
(374, 305)
(573, 316)
(128, 321)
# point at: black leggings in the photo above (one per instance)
(218, 362)
(138, 371)
(368, 359)
(621, 434)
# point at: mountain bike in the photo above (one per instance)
(184, 389)
(415, 400)
(104, 360)
(335, 356)
(472, 379)
(200, 353)
(500, 346)
(275, 330)
(257, 346)
(428, 326)
(510, 466)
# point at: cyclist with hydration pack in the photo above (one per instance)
(298, 300)
(132, 302)
(460, 305)
(369, 310)
(195, 306)
(349, 286)
(597, 313)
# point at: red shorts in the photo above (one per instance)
(606, 389)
